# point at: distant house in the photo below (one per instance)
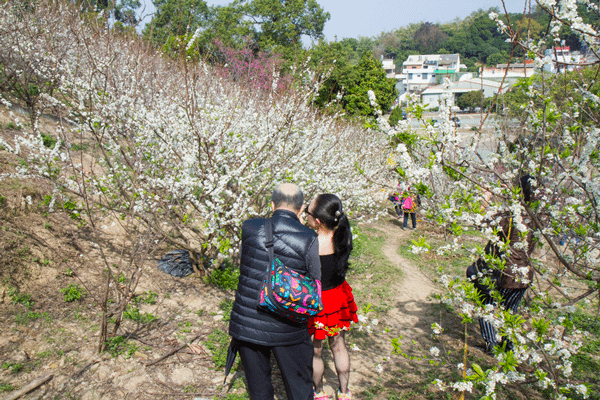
(389, 67)
(561, 59)
(432, 96)
(515, 70)
(422, 71)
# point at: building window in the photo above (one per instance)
(410, 76)
(424, 76)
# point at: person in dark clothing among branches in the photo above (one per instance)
(512, 281)
(257, 334)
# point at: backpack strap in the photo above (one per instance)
(269, 236)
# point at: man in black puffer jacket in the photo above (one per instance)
(257, 332)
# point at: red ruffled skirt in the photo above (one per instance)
(338, 314)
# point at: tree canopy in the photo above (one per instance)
(270, 24)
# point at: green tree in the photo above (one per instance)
(123, 11)
(429, 37)
(334, 59)
(347, 83)
(564, 94)
(283, 22)
(177, 18)
(271, 25)
(470, 99)
(497, 58)
(369, 75)
(395, 116)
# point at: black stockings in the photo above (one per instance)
(341, 359)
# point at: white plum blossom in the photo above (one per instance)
(434, 351)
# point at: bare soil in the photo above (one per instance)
(40, 335)
(44, 253)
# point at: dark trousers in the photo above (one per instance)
(510, 301)
(413, 217)
(294, 362)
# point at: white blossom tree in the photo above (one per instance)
(175, 152)
(470, 179)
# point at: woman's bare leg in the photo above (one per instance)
(341, 358)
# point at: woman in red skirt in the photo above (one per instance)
(325, 215)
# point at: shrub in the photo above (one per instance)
(20, 298)
(225, 278)
(133, 313)
(49, 141)
(395, 116)
(72, 292)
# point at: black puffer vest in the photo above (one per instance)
(292, 240)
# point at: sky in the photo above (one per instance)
(354, 18)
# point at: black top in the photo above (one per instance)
(293, 245)
(329, 278)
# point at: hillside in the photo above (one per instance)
(44, 334)
(113, 152)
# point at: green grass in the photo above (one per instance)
(149, 297)
(454, 263)
(78, 147)
(226, 305)
(14, 367)
(370, 271)
(586, 364)
(225, 278)
(118, 345)
(234, 396)
(133, 313)
(49, 140)
(24, 318)
(218, 342)
(21, 298)
(7, 387)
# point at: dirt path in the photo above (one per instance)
(415, 289)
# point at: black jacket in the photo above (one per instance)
(292, 243)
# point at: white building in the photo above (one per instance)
(432, 96)
(515, 70)
(561, 59)
(389, 67)
(422, 71)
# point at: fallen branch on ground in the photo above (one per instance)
(170, 353)
(30, 386)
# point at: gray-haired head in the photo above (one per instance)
(289, 196)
